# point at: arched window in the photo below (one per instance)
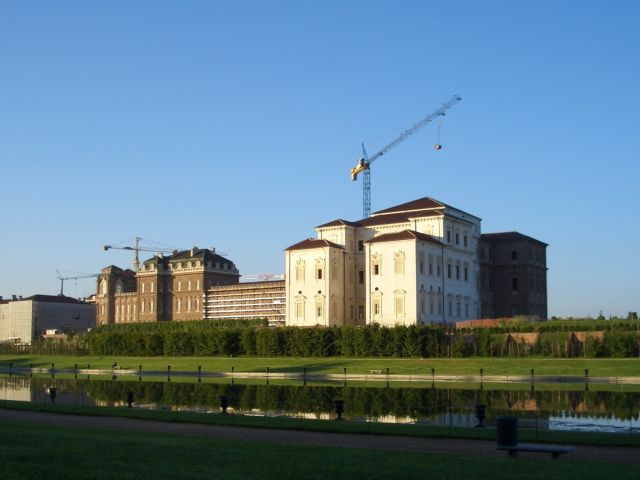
(119, 286)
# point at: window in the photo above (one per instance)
(458, 310)
(319, 310)
(431, 269)
(448, 236)
(465, 241)
(450, 308)
(360, 312)
(466, 310)
(421, 267)
(398, 263)
(376, 269)
(431, 307)
(514, 254)
(376, 307)
(179, 286)
(466, 274)
(178, 305)
(439, 307)
(151, 287)
(319, 274)
(457, 272)
(300, 271)
(197, 284)
(457, 238)
(189, 286)
(514, 284)
(449, 270)
(438, 270)
(299, 310)
(399, 306)
(197, 304)
(142, 306)
(188, 304)
(151, 305)
(361, 277)
(360, 245)
(142, 287)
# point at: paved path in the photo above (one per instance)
(463, 447)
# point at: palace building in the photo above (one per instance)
(418, 262)
(165, 287)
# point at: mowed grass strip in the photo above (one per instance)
(330, 426)
(599, 367)
(32, 450)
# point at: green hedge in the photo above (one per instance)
(203, 339)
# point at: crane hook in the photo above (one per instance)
(438, 146)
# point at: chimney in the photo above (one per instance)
(193, 250)
(213, 250)
(19, 297)
(0, 298)
(14, 297)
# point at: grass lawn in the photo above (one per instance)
(289, 423)
(606, 367)
(33, 451)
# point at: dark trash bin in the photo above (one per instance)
(507, 431)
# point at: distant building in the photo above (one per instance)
(24, 319)
(418, 262)
(513, 275)
(165, 287)
(245, 301)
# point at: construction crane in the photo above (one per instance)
(364, 163)
(137, 248)
(76, 277)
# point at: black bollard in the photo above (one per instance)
(224, 403)
(52, 393)
(482, 374)
(481, 410)
(199, 370)
(130, 398)
(433, 374)
(339, 404)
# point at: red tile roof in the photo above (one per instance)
(313, 243)
(338, 222)
(424, 203)
(405, 235)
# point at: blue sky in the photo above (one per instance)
(235, 124)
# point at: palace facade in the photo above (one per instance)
(418, 262)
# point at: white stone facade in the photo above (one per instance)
(413, 263)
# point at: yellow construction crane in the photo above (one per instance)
(365, 162)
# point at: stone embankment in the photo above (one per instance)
(372, 376)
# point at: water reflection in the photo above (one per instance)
(440, 405)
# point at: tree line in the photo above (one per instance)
(205, 339)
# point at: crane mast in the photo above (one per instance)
(136, 248)
(364, 163)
